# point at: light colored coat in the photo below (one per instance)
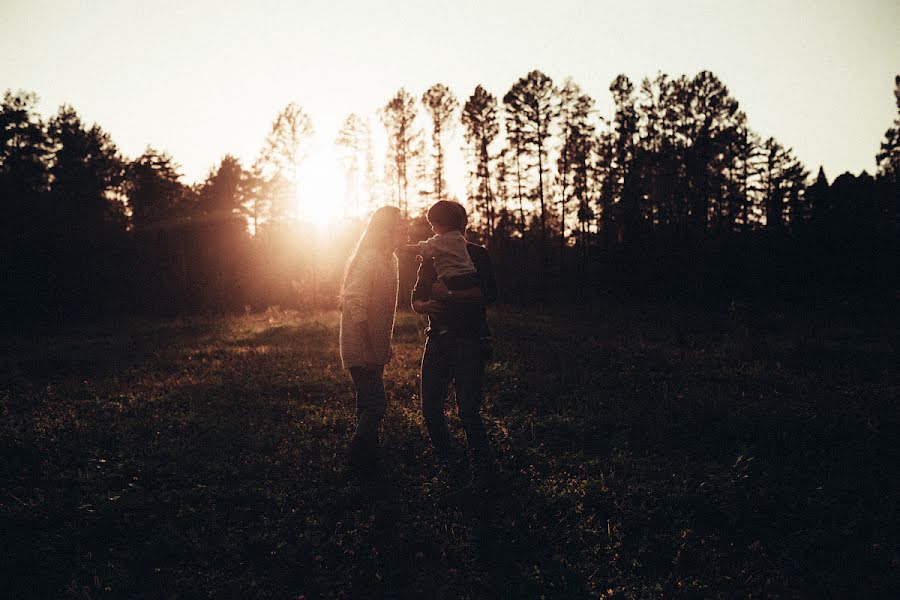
(451, 258)
(369, 300)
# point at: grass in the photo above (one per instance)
(644, 451)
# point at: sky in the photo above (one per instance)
(201, 78)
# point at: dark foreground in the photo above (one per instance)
(644, 452)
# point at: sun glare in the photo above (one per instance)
(320, 188)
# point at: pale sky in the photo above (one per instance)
(200, 78)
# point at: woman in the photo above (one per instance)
(368, 304)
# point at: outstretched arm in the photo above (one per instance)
(413, 249)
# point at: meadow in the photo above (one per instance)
(644, 450)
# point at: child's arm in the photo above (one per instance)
(423, 249)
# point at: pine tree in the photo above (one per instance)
(404, 144)
(256, 204)
(711, 129)
(24, 165)
(819, 202)
(441, 104)
(221, 195)
(782, 181)
(624, 171)
(87, 173)
(372, 185)
(481, 125)
(574, 114)
(352, 138)
(888, 158)
(533, 106)
(284, 150)
(749, 155)
(156, 196)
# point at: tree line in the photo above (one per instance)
(563, 197)
(677, 157)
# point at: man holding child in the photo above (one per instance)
(453, 288)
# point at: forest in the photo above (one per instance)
(673, 195)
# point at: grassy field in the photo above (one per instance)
(644, 451)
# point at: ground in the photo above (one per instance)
(643, 451)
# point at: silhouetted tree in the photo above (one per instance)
(372, 184)
(711, 129)
(888, 158)
(655, 154)
(507, 223)
(854, 205)
(532, 105)
(256, 202)
(782, 181)
(24, 162)
(353, 138)
(218, 233)
(441, 104)
(574, 154)
(818, 196)
(604, 183)
(585, 216)
(284, 149)
(87, 173)
(624, 175)
(677, 156)
(749, 160)
(481, 125)
(514, 156)
(222, 194)
(154, 190)
(404, 143)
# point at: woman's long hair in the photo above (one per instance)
(378, 236)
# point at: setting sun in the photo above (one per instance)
(321, 188)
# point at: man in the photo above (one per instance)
(457, 346)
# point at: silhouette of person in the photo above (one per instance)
(456, 349)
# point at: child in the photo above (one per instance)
(447, 247)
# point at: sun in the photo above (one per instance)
(320, 187)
